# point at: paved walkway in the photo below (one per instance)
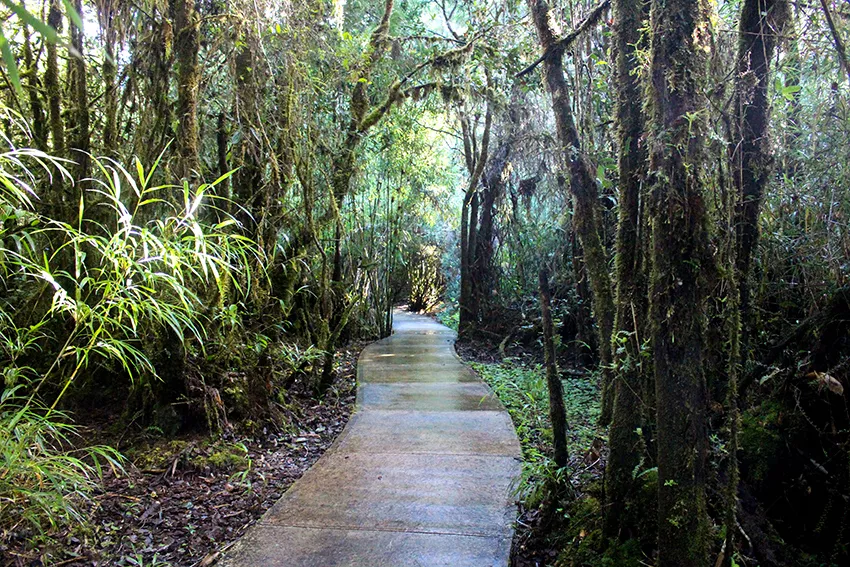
(421, 476)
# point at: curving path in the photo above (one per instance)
(421, 476)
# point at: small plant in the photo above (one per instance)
(138, 560)
(522, 389)
(44, 482)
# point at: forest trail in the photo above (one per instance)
(421, 476)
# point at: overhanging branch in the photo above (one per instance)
(564, 43)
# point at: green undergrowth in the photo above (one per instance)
(566, 521)
(522, 389)
(44, 481)
(449, 316)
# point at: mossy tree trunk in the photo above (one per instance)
(39, 123)
(106, 15)
(78, 126)
(557, 409)
(156, 122)
(751, 159)
(475, 156)
(248, 179)
(54, 104)
(282, 164)
(221, 139)
(680, 258)
(187, 45)
(760, 24)
(472, 281)
(624, 439)
(494, 184)
(582, 184)
(363, 118)
(284, 158)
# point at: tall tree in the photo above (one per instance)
(54, 99)
(475, 157)
(582, 178)
(625, 442)
(760, 23)
(78, 118)
(106, 12)
(248, 179)
(557, 410)
(33, 88)
(680, 257)
(494, 182)
(363, 117)
(187, 44)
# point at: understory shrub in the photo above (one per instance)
(44, 482)
(90, 300)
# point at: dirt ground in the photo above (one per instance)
(199, 496)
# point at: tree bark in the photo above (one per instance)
(485, 281)
(587, 220)
(557, 410)
(187, 44)
(80, 142)
(473, 280)
(476, 158)
(625, 443)
(221, 150)
(106, 13)
(679, 256)
(54, 104)
(751, 159)
(760, 24)
(248, 179)
(36, 107)
(155, 125)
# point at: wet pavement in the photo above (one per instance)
(421, 476)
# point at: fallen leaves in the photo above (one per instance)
(181, 514)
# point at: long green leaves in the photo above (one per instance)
(42, 483)
(141, 262)
(121, 279)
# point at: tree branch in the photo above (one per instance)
(482, 156)
(836, 39)
(563, 44)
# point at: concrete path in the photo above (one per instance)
(421, 476)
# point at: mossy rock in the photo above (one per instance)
(158, 455)
(222, 455)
